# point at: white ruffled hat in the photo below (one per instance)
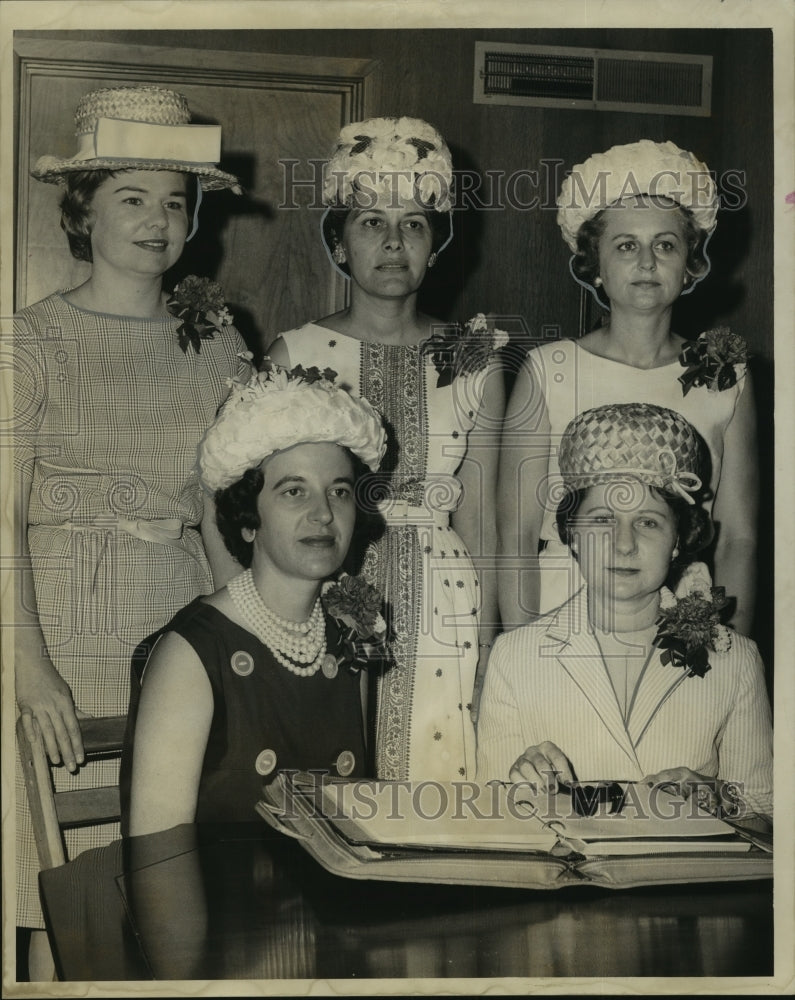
(277, 409)
(140, 128)
(370, 156)
(659, 169)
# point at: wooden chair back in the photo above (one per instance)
(52, 812)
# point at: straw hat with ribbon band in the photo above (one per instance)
(140, 128)
(277, 409)
(392, 158)
(638, 441)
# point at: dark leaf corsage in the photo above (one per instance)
(713, 360)
(199, 303)
(463, 348)
(307, 375)
(689, 627)
(356, 608)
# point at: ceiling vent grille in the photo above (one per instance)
(601, 79)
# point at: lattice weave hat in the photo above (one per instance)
(277, 409)
(633, 440)
(140, 128)
(375, 155)
(659, 169)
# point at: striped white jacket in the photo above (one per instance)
(547, 681)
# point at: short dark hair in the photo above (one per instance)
(585, 264)
(694, 528)
(236, 509)
(76, 201)
(334, 224)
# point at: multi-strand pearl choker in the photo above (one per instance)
(298, 646)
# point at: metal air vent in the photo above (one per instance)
(544, 76)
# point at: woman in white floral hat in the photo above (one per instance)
(637, 219)
(388, 191)
(263, 675)
(115, 383)
(625, 681)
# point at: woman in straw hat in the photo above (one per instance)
(262, 675)
(625, 681)
(115, 384)
(637, 219)
(387, 188)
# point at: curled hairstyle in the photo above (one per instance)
(76, 201)
(236, 508)
(585, 264)
(335, 219)
(694, 528)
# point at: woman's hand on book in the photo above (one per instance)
(686, 783)
(543, 766)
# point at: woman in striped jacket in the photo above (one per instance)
(624, 681)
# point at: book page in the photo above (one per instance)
(518, 817)
(643, 819)
(434, 814)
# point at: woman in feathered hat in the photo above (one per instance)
(637, 219)
(115, 383)
(388, 192)
(262, 675)
(625, 681)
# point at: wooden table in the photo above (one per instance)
(244, 902)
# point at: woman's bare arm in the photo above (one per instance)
(735, 511)
(521, 492)
(43, 696)
(171, 732)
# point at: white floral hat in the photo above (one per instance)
(371, 156)
(140, 128)
(659, 169)
(277, 409)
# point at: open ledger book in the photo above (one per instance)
(507, 834)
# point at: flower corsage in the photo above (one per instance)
(688, 628)
(463, 349)
(717, 360)
(199, 303)
(356, 608)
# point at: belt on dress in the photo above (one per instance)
(161, 531)
(401, 512)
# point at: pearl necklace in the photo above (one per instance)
(292, 643)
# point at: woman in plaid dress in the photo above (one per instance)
(112, 395)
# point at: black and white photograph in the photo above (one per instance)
(397, 467)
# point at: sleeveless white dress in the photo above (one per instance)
(423, 728)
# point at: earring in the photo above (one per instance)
(597, 281)
(249, 534)
(675, 553)
(431, 260)
(338, 254)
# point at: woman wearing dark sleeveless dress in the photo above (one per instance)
(259, 677)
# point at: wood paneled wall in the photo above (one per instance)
(512, 262)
